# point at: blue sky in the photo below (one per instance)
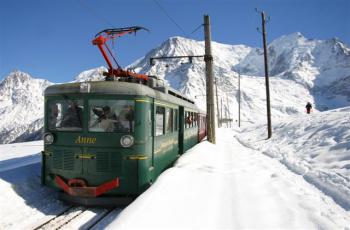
(52, 39)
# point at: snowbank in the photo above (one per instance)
(315, 146)
(229, 186)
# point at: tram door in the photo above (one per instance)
(151, 127)
(181, 129)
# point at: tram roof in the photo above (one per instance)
(120, 88)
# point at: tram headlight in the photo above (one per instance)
(48, 138)
(127, 141)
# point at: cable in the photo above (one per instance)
(91, 10)
(196, 29)
(166, 13)
(94, 14)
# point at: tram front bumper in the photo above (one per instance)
(78, 187)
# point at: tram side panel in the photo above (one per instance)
(166, 144)
(144, 137)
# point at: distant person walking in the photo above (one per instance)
(308, 107)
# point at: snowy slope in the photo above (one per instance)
(315, 146)
(21, 107)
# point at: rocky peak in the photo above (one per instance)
(19, 87)
(16, 78)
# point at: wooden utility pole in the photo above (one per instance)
(269, 129)
(239, 99)
(208, 58)
(221, 116)
(229, 113)
(217, 103)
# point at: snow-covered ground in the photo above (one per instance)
(19, 154)
(299, 179)
(23, 202)
(316, 146)
(229, 186)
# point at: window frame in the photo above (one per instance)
(176, 120)
(156, 134)
(169, 113)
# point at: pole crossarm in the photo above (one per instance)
(190, 57)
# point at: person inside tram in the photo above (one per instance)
(108, 119)
(73, 116)
(126, 118)
(112, 120)
(188, 121)
(53, 116)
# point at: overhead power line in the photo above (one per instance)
(200, 26)
(92, 12)
(171, 19)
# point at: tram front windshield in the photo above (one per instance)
(111, 116)
(104, 115)
(65, 115)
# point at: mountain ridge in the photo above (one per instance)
(301, 70)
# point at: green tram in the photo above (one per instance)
(105, 142)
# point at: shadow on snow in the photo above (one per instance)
(24, 175)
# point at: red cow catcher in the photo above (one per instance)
(78, 187)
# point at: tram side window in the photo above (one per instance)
(192, 119)
(195, 119)
(65, 115)
(176, 126)
(169, 118)
(160, 120)
(189, 119)
(111, 116)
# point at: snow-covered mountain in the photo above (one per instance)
(301, 70)
(91, 75)
(21, 107)
(322, 67)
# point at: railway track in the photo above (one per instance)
(78, 217)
